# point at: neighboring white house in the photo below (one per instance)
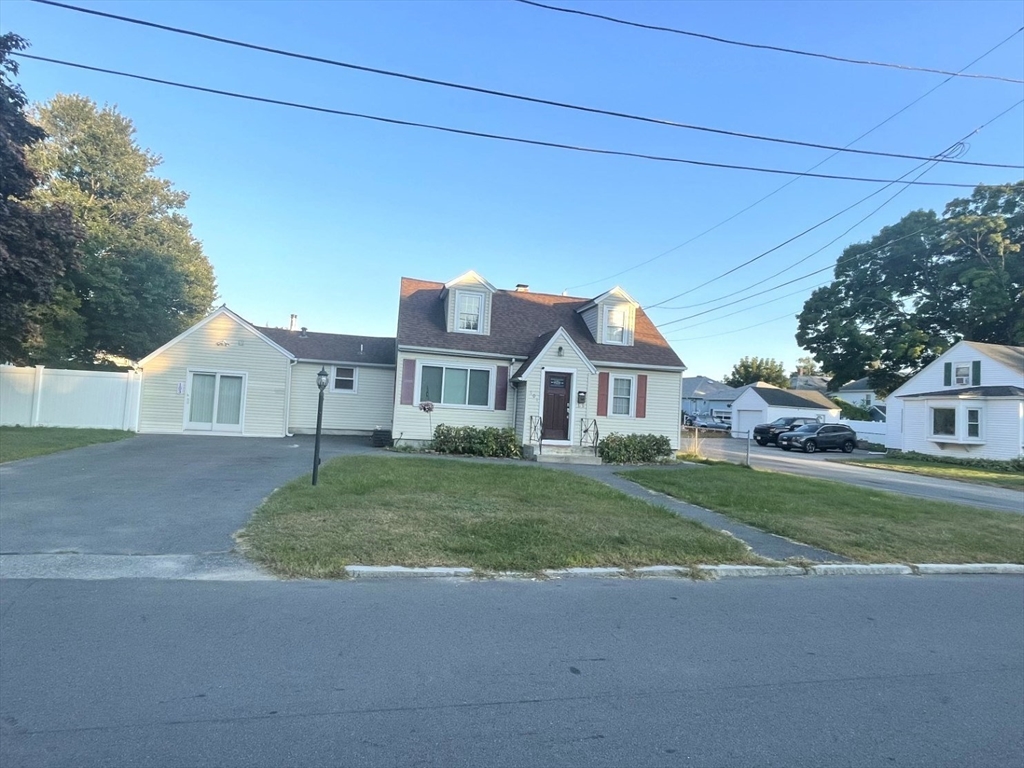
(761, 403)
(706, 397)
(968, 403)
(861, 394)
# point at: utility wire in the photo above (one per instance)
(951, 148)
(736, 330)
(796, 279)
(500, 94)
(800, 261)
(479, 134)
(820, 163)
(761, 46)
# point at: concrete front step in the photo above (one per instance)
(567, 458)
(561, 454)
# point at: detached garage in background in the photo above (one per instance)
(225, 376)
(762, 403)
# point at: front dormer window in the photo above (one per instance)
(615, 326)
(962, 374)
(469, 312)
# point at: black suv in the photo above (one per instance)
(767, 433)
(819, 437)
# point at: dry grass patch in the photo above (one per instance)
(492, 517)
(864, 524)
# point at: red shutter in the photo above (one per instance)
(408, 381)
(602, 394)
(501, 388)
(641, 396)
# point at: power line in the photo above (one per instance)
(761, 46)
(761, 255)
(737, 330)
(479, 134)
(500, 94)
(805, 258)
(794, 180)
(795, 279)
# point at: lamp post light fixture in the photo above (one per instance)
(321, 382)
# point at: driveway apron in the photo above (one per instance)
(149, 495)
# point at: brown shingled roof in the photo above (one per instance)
(518, 319)
(333, 347)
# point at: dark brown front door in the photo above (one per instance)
(557, 389)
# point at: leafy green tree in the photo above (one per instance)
(752, 369)
(899, 300)
(37, 244)
(144, 278)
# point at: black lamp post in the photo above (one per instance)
(321, 383)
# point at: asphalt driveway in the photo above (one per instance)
(149, 495)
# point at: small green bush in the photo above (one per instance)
(633, 449)
(992, 465)
(477, 441)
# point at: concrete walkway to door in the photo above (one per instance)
(150, 494)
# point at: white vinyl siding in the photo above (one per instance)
(1000, 428)
(664, 415)
(410, 423)
(344, 412)
(221, 345)
(590, 318)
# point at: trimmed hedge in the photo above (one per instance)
(992, 465)
(633, 449)
(477, 441)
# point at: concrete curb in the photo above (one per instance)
(852, 569)
(927, 569)
(401, 572)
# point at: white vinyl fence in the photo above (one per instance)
(49, 397)
(872, 431)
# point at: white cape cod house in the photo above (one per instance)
(968, 403)
(557, 368)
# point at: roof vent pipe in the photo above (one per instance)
(293, 322)
(360, 348)
(302, 333)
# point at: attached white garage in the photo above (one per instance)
(225, 376)
(762, 403)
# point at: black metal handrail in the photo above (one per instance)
(537, 432)
(589, 433)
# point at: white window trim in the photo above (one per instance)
(611, 396)
(625, 326)
(355, 380)
(960, 410)
(480, 319)
(953, 379)
(491, 382)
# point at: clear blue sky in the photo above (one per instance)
(321, 215)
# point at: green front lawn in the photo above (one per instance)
(23, 442)
(866, 525)
(1013, 480)
(408, 511)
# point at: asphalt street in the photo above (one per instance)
(831, 466)
(816, 671)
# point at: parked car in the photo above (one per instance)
(704, 422)
(819, 437)
(767, 433)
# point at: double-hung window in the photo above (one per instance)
(615, 326)
(469, 312)
(622, 395)
(344, 379)
(973, 423)
(452, 385)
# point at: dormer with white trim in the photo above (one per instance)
(467, 304)
(611, 317)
